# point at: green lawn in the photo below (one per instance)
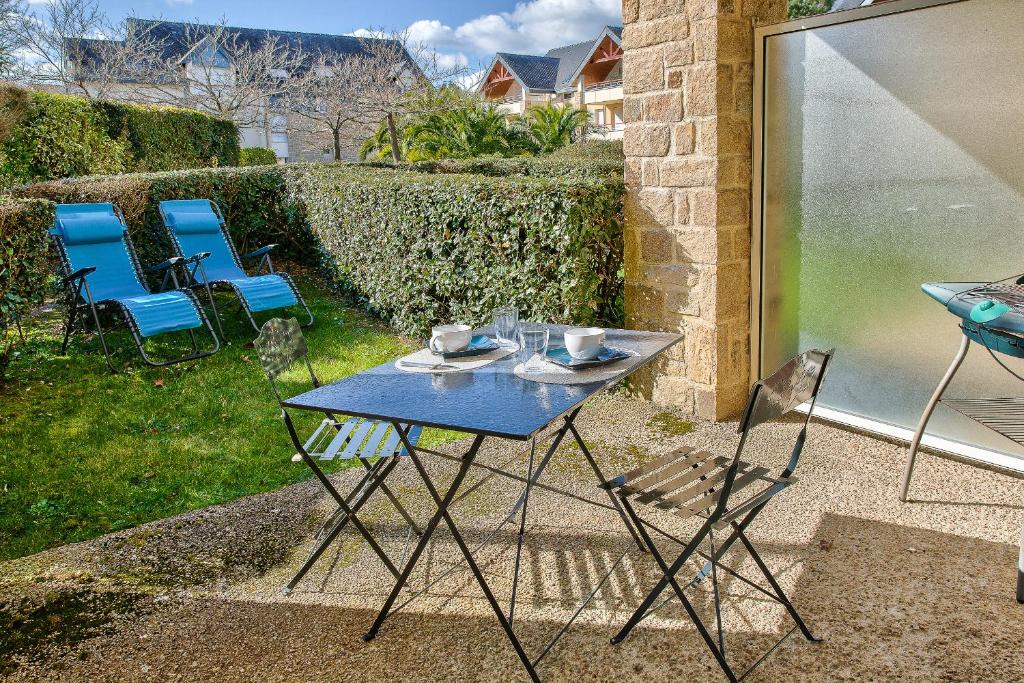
(84, 452)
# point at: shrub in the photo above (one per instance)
(255, 201)
(257, 156)
(412, 246)
(170, 138)
(546, 166)
(25, 266)
(420, 248)
(60, 136)
(591, 150)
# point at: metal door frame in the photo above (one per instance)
(958, 450)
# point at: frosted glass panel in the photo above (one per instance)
(893, 155)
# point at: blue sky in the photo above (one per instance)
(470, 29)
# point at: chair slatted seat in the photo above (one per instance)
(722, 492)
(280, 346)
(355, 437)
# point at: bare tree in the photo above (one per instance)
(10, 11)
(325, 100)
(225, 74)
(347, 95)
(71, 44)
(400, 75)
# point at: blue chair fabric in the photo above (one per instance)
(93, 236)
(196, 228)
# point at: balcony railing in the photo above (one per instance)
(604, 85)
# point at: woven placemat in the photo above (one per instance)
(552, 373)
(457, 364)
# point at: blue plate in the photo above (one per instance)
(478, 345)
(560, 356)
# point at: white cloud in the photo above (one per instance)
(532, 27)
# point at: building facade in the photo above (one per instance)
(211, 67)
(586, 75)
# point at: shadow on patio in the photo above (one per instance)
(922, 591)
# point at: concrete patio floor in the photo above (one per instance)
(920, 591)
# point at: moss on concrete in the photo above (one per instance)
(670, 423)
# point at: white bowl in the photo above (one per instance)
(450, 338)
(584, 343)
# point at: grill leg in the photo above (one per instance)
(1020, 570)
(908, 471)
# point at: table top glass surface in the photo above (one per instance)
(489, 400)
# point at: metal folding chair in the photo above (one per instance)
(200, 237)
(280, 346)
(722, 493)
(101, 272)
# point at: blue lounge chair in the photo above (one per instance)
(102, 272)
(199, 235)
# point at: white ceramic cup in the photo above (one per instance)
(584, 343)
(450, 338)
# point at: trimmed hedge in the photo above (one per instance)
(420, 249)
(416, 248)
(257, 156)
(545, 166)
(591, 150)
(61, 136)
(256, 203)
(25, 266)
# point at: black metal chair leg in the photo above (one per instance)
(216, 313)
(349, 516)
(668, 572)
(668, 578)
(717, 595)
(103, 339)
(775, 585)
(604, 485)
(68, 328)
(394, 501)
(464, 467)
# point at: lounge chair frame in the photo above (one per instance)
(700, 485)
(81, 303)
(194, 266)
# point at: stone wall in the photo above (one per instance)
(688, 70)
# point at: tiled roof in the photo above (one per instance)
(536, 73)
(174, 36)
(554, 71)
(569, 59)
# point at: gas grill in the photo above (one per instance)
(991, 314)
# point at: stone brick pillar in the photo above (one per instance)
(688, 71)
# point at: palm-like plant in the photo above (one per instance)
(554, 126)
(464, 133)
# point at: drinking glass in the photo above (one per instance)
(506, 326)
(533, 347)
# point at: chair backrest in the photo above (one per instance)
(795, 383)
(95, 236)
(280, 345)
(197, 225)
